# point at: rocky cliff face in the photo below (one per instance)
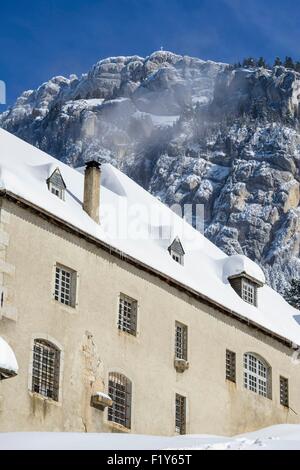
(190, 132)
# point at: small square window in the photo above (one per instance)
(59, 192)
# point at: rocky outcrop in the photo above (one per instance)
(189, 131)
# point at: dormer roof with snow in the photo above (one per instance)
(23, 172)
(176, 246)
(56, 178)
(240, 265)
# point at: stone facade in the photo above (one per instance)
(91, 345)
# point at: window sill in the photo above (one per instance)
(181, 365)
(64, 307)
(43, 399)
(116, 427)
(231, 382)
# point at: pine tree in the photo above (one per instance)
(277, 62)
(292, 294)
(297, 66)
(249, 62)
(262, 63)
(289, 63)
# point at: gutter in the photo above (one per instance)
(43, 213)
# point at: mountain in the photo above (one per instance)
(191, 132)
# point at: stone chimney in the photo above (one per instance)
(91, 197)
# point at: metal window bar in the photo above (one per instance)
(45, 369)
(119, 389)
(230, 365)
(64, 290)
(248, 292)
(127, 314)
(256, 376)
(284, 391)
(180, 341)
(180, 414)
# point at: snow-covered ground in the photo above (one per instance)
(282, 437)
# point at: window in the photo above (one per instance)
(246, 288)
(230, 366)
(257, 375)
(45, 369)
(56, 184)
(65, 286)
(176, 257)
(180, 414)
(284, 391)
(248, 292)
(176, 251)
(119, 390)
(59, 192)
(180, 341)
(127, 314)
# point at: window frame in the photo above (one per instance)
(284, 391)
(116, 380)
(58, 294)
(125, 324)
(248, 291)
(176, 257)
(257, 375)
(35, 379)
(56, 191)
(230, 366)
(183, 339)
(180, 414)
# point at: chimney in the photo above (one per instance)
(91, 197)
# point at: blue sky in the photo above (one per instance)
(43, 38)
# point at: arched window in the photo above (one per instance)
(45, 369)
(257, 375)
(120, 391)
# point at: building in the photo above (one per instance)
(123, 318)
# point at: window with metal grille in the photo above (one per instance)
(45, 369)
(120, 391)
(230, 365)
(127, 314)
(65, 286)
(180, 341)
(284, 391)
(248, 292)
(180, 414)
(257, 376)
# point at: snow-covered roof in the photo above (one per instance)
(240, 264)
(130, 219)
(8, 361)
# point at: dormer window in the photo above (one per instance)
(176, 251)
(244, 276)
(246, 288)
(56, 184)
